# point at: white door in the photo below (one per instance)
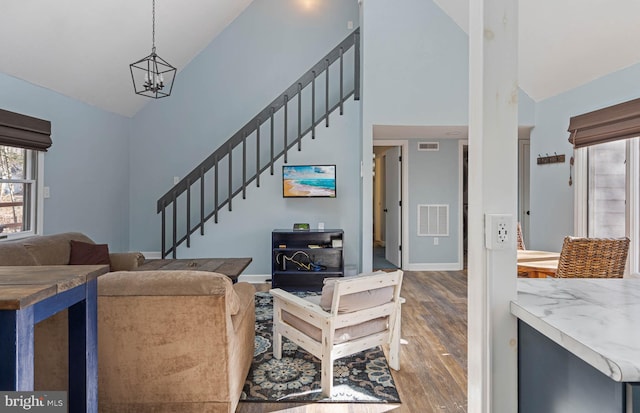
(393, 177)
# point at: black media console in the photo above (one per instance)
(301, 260)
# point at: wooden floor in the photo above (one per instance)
(433, 374)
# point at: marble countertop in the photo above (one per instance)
(598, 320)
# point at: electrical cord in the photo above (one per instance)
(310, 266)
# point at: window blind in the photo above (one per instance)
(621, 121)
(24, 131)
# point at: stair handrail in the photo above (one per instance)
(251, 126)
(240, 137)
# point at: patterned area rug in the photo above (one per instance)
(363, 377)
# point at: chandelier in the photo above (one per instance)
(152, 76)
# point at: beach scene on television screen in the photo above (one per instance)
(309, 181)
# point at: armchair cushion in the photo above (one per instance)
(355, 302)
(341, 335)
(86, 253)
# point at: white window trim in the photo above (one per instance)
(580, 192)
(632, 205)
(38, 199)
(39, 227)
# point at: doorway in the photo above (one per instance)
(387, 206)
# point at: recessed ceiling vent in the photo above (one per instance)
(429, 146)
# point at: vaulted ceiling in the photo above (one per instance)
(83, 48)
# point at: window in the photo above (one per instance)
(606, 196)
(18, 179)
(23, 139)
(607, 193)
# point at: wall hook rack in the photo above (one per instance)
(555, 158)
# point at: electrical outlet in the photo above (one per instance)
(176, 179)
(436, 241)
(498, 231)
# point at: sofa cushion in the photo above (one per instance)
(357, 301)
(53, 249)
(85, 253)
(14, 253)
(169, 283)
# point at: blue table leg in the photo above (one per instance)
(83, 353)
(16, 349)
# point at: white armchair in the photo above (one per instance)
(352, 314)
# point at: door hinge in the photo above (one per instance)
(400, 158)
(399, 203)
(399, 247)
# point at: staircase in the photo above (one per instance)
(254, 149)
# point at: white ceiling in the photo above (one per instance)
(83, 48)
(563, 44)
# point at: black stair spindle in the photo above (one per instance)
(326, 95)
(215, 186)
(286, 115)
(175, 226)
(202, 201)
(313, 105)
(230, 155)
(258, 153)
(356, 69)
(271, 161)
(299, 117)
(188, 213)
(341, 83)
(244, 168)
(164, 229)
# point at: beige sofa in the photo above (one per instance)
(173, 341)
(168, 341)
(56, 250)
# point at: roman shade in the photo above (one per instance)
(24, 131)
(621, 121)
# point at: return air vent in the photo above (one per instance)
(429, 146)
(433, 220)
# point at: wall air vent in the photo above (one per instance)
(433, 220)
(428, 146)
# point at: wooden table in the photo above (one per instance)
(30, 294)
(538, 269)
(231, 267)
(533, 255)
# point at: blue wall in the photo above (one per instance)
(415, 65)
(86, 168)
(246, 231)
(262, 52)
(551, 196)
(434, 179)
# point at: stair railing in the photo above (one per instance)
(182, 191)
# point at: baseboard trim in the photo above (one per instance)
(152, 255)
(447, 266)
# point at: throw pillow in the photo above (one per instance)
(84, 253)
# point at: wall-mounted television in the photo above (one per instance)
(309, 181)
